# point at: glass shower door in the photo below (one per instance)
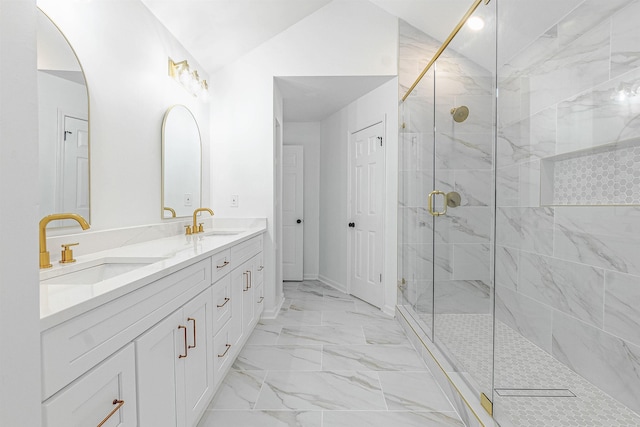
(462, 206)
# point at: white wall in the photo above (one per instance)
(379, 104)
(124, 52)
(19, 299)
(308, 136)
(346, 37)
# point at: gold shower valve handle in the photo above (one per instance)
(430, 203)
(66, 255)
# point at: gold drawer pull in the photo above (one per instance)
(224, 264)
(246, 273)
(189, 319)
(261, 268)
(225, 352)
(226, 300)
(260, 300)
(115, 402)
(181, 356)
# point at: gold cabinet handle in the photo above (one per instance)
(261, 268)
(181, 356)
(119, 404)
(225, 352)
(430, 203)
(226, 300)
(224, 264)
(260, 300)
(189, 319)
(250, 279)
(246, 274)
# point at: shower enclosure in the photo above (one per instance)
(519, 239)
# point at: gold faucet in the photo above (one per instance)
(195, 227)
(44, 254)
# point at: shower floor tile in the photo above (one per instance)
(329, 360)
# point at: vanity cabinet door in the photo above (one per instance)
(198, 369)
(106, 392)
(159, 372)
(224, 305)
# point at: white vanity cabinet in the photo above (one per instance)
(175, 366)
(106, 393)
(154, 355)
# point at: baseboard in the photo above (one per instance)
(273, 313)
(390, 310)
(310, 277)
(332, 283)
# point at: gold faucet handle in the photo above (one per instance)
(67, 254)
(188, 232)
(201, 228)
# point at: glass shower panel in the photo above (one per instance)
(463, 232)
(567, 346)
(416, 236)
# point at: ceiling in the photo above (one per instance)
(312, 99)
(218, 32)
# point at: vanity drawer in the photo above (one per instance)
(223, 306)
(75, 346)
(220, 265)
(90, 399)
(245, 250)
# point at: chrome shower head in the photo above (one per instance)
(460, 114)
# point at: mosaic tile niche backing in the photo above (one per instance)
(608, 175)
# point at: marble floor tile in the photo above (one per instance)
(261, 418)
(321, 390)
(279, 357)
(323, 304)
(390, 419)
(264, 334)
(371, 358)
(239, 390)
(390, 333)
(315, 335)
(295, 317)
(320, 363)
(355, 318)
(416, 391)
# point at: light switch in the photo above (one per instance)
(187, 199)
(234, 200)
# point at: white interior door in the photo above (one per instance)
(74, 194)
(366, 202)
(292, 211)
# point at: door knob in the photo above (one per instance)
(299, 221)
(352, 224)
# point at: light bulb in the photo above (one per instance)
(475, 23)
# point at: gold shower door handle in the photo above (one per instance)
(430, 203)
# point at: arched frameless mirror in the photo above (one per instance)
(63, 109)
(181, 163)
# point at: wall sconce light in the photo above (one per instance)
(190, 80)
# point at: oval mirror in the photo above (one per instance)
(181, 163)
(63, 124)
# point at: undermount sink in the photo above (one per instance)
(91, 272)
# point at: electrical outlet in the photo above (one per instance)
(187, 199)
(234, 200)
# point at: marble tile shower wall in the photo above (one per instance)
(463, 158)
(568, 278)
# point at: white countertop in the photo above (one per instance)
(61, 302)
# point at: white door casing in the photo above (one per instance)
(366, 213)
(292, 212)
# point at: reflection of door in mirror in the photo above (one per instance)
(181, 163)
(63, 126)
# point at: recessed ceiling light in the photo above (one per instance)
(475, 23)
